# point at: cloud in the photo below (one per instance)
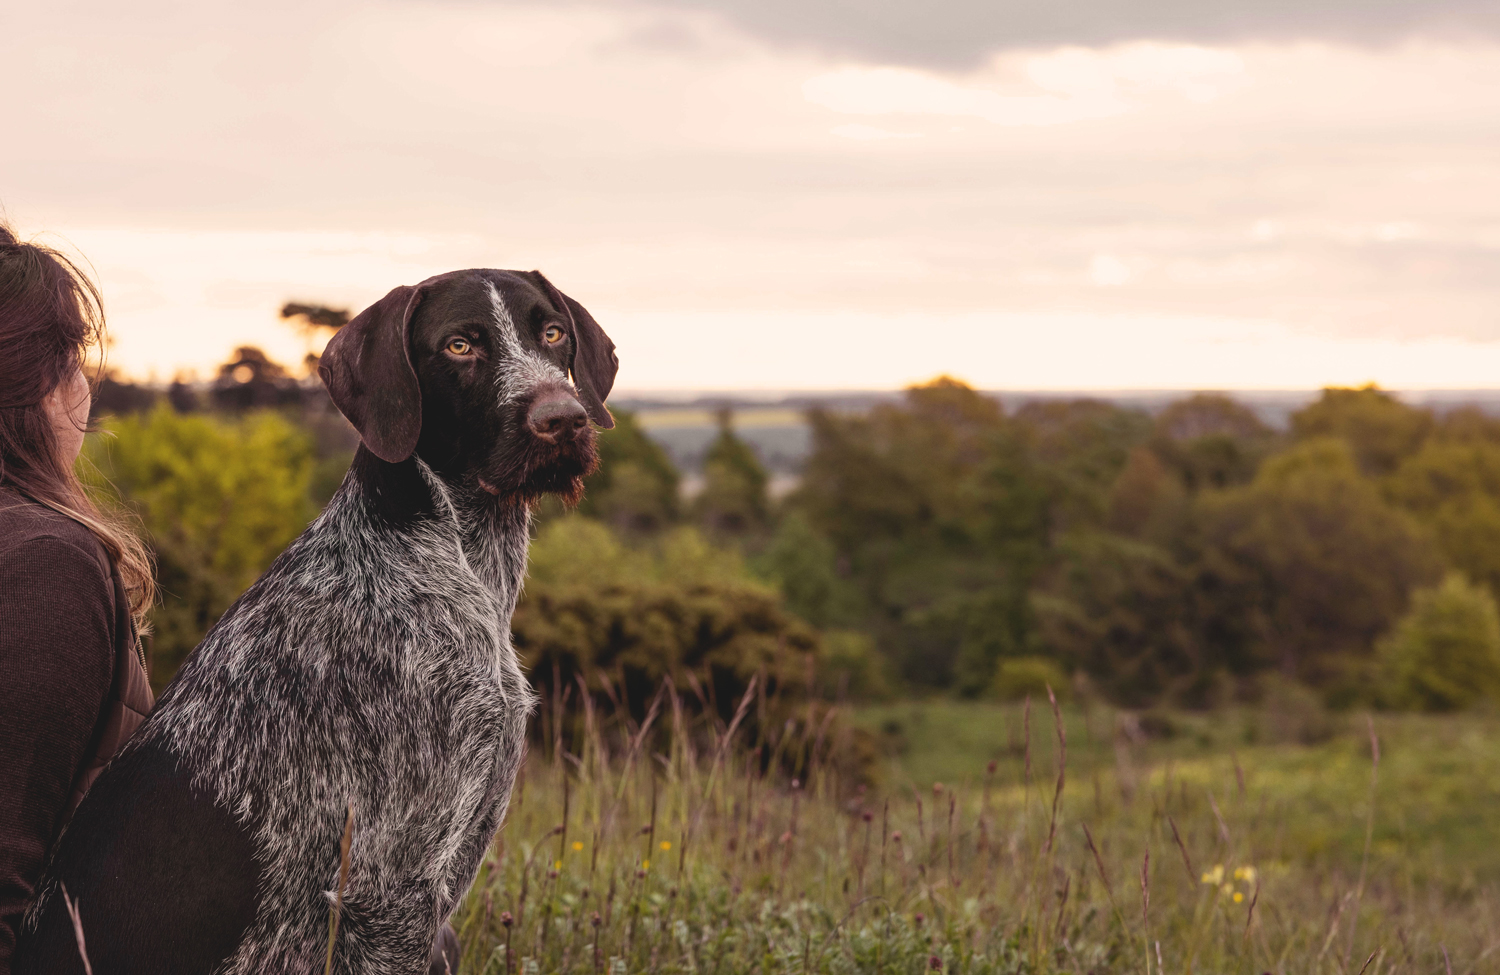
(854, 130)
(1069, 85)
(962, 33)
(217, 161)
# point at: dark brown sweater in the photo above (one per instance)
(71, 688)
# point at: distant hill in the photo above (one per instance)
(772, 421)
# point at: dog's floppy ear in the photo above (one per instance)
(594, 360)
(367, 369)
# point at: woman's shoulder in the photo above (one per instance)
(35, 528)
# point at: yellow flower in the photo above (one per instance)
(1215, 876)
(645, 864)
(577, 845)
(1227, 889)
(1249, 874)
(557, 865)
(1238, 897)
(666, 845)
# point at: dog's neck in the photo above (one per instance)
(493, 535)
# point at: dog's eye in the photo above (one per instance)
(460, 347)
(553, 334)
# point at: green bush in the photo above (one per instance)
(1445, 654)
(1019, 676)
(630, 616)
(850, 666)
(219, 498)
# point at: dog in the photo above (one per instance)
(370, 669)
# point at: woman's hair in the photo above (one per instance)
(50, 316)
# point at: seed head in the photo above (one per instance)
(867, 816)
(551, 874)
(505, 919)
(896, 836)
(595, 920)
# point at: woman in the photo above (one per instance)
(74, 585)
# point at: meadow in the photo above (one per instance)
(985, 837)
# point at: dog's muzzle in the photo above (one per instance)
(555, 416)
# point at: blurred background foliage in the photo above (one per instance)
(939, 544)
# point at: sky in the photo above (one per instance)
(792, 194)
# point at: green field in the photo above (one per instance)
(928, 858)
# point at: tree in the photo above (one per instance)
(804, 565)
(734, 499)
(1452, 485)
(250, 380)
(1118, 610)
(1332, 562)
(938, 516)
(1382, 430)
(1147, 500)
(636, 486)
(1082, 446)
(1211, 441)
(1445, 653)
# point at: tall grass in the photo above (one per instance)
(693, 844)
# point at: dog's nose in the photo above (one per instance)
(556, 417)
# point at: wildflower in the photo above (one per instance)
(1247, 874)
(796, 783)
(867, 816)
(505, 919)
(896, 836)
(640, 874)
(934, 962)
(552, 874)
(920, 918)
(937, 788)
(645, 865)
(1227, 889)
(557, 865)
(990, 768)
(595, 920)
(666, 844)
(577, 846)
(1238, 897)
(1215, 876)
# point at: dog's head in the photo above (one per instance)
(491, 377)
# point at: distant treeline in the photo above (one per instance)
(1191, 558)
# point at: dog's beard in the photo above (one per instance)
(527, 471)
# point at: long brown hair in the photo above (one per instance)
(50, 316)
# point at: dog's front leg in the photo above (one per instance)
(385, 930)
